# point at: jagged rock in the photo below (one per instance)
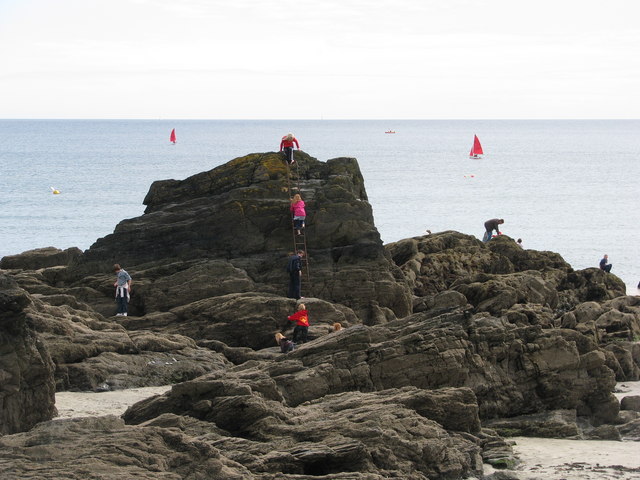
(551, 424)
(238, 214)
(630, 402)
(604, 432)
(106, 448)
(352, 431)
(630, 431)
(495, 450)
(40, 258)
(538, 369)
(27, 390)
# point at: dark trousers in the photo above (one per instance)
(294, 285)
(298, 224)
(300, 334)
(607, 268)
(288, 154)
(122, 303)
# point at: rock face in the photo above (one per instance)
(26, 371)
(238, 214)
(443, 336)
(40, 258)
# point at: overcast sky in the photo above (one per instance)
(311, 59)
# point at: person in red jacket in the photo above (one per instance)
(287, 145)
(301, 317)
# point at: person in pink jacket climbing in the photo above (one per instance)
(299, 213)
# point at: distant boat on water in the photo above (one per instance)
(172, 137)
(390, 131)
(476, 150)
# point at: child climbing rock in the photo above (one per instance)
(298, 211)
(301, 317)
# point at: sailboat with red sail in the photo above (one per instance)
(172, 137)
(476, 150)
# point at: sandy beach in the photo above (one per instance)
(542, 458)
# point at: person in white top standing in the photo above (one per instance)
(123, 289)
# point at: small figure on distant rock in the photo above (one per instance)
(285, 344)
(123, 290)
(286, 145)
(299, 213)
(604, 263)
(519, 242)
(490, 226)
(301, 317)
(428, 232)
(294, 269)
(337, 327)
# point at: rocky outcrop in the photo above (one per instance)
(511, 370)
(26, 371)
(238, 215)
(443, 336)
(40, 258)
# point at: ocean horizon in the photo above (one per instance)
(569, 186)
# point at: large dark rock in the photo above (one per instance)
(27, 389)
(40, 258)
(238, 214)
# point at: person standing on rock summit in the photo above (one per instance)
(294, 269)
(490, 226)
(123, 289)
(286, 144)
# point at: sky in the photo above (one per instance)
(313, 59)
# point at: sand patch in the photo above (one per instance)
(91, 404)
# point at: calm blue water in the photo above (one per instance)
(565, 186)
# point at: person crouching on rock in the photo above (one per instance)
(299, 213)
(123, 289)
(301, 317)
(286, 345)
(490, 226)
(604, 263)
(286, 144)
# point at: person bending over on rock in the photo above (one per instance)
(123, 289)
(301, 317)
(285, 344)
(604, 263)
(490, 226)
(299, 213)
(519, 242)
(286, 144)
(294, 269)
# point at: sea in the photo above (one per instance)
(569, 186)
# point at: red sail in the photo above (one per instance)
(172, 138)
(477, 148)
